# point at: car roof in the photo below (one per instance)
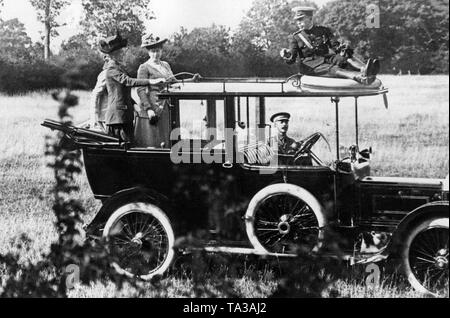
(260, 87)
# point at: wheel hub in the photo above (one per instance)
(137, 240)
(284, 227)
(442, 259)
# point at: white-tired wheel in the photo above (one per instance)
(425, 256)
(142, 239)
(283, 218)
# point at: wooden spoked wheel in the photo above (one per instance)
(142, 239)
(285, 218)
(425, 256)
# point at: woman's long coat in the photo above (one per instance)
(147, 135)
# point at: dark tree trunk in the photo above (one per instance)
(47, 31)
(47, 42)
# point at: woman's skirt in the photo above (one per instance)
(147, 135)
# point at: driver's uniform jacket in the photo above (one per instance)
(319, 59)
(120, 104)
(288, 146)
(282, 144)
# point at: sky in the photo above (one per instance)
(170, 16)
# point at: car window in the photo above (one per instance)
(202, 120)
(257, 140)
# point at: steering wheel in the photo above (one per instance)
(307, 144)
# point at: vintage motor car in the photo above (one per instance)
(285, 203)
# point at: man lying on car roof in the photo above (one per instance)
(321, 55)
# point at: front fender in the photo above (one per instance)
(438, 208)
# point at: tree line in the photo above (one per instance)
(412, 36)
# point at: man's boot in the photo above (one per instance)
(376, 67)
(359, 77)
(371, 68)
(366, 69)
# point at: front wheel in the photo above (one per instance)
(425, 256)
(142, 239)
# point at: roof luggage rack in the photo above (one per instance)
(296, 85)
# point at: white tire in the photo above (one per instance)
(426, 249)
(283, 223)
(144, 230)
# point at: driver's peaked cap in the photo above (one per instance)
(280, 116)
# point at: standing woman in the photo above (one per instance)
(152, 127)
(100, 100)
(119, 115)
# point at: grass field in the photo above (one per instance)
(411, 139)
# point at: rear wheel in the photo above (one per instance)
(142, 240)
(284, 218)
(425, 256)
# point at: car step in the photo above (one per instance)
(236, 250)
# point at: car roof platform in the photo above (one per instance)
(294, 86)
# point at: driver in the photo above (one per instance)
(282, 142)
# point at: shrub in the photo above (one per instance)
(24, 77)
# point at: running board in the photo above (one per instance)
(251, 251)
(239, 250)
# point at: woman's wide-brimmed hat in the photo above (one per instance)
(112, 43)
(149, 41)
